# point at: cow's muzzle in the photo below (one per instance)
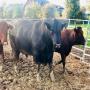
(57, 45)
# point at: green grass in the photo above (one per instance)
(88, 43)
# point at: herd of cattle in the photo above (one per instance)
(41, 38)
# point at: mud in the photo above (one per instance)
(23, 75)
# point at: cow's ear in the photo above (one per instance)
(78, 29)
(59, 25)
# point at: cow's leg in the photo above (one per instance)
(16, 54)
(51, 73)
(59, 62)
(2, 53)
(15, 50)
(26, 56)
(63, 62)
(38, 73)
(63, 57)
(1, 50)
(3, 56)
(16, 58)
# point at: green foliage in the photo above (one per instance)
(81, 15)
(36, 11)
(12, 11)
(73, 8)
(50, 11)
(33, 11)
(1, 12)
(7, 12)
(17, 11)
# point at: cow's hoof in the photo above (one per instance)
(38, 78)
(1, 68)
(55, 63)
(52, 76)
(21, 59)
(15, 68)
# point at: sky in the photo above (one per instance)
(83, 2)
(11, 2)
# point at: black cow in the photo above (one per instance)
(33, 37)
(68, 39)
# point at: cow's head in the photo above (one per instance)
(56, 26)
(79, 38)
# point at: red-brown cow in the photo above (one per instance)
(4, 27)
(68, 39)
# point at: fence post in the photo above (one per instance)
(85, 45)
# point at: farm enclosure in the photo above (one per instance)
(76, 77)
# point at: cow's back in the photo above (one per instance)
(31, 37)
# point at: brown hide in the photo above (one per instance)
(4, 27)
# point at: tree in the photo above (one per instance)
(17, 11)
(82, 13)
(7, 12)
(72, 9)
(50, 11)
(33, 11)
(30, 3)
(1, 12)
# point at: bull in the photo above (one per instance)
(69, 37)
(33, 37)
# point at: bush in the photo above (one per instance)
(36, 12)
(50, 11)
(33, 12)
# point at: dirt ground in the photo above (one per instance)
(76, 76)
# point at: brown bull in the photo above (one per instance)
(69, 38)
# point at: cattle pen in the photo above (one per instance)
(72, 23)
(76, 76)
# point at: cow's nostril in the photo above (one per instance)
(58, 45)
